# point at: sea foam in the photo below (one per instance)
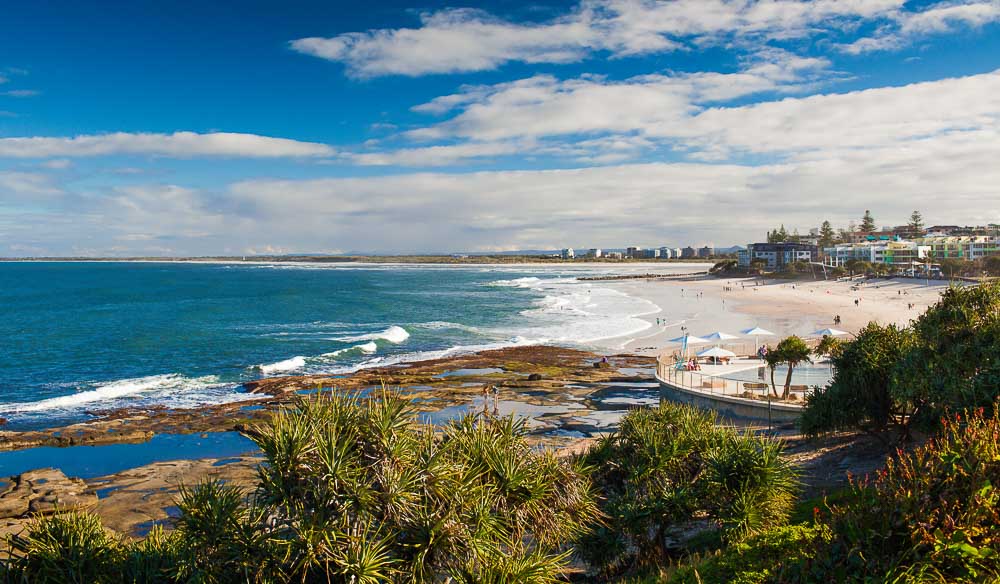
(110, 392)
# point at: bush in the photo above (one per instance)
(757, 560)
(861, 392)
(949, 359)
(668, 474)
(350, 491)
(930, 516)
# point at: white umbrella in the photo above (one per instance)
(757, 332)
(830, 331)
(716, 352)
(720, 336)
(691, 340)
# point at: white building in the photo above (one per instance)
(567, 254)
(666, 253)
(893, 253)
(964, 247)
(595, 252)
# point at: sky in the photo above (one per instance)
(143, 128)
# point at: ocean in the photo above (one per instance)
(85, 336)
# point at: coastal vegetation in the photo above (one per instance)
(670, 474)
(889, 377)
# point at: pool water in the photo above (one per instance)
(805, 374)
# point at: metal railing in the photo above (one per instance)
(667, 370)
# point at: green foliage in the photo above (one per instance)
(860, 393)
(670, 472)
(930, 516)
(867, 222)
(827, 236)
(829, 345)
(758, 559)
(350, 491)
(954, 362)
(916, 224)
(71, 547)
(948, 359)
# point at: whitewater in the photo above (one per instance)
(84, 337)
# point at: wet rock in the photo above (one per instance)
(44, 491)
(535, 377)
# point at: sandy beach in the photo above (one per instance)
(707, 304)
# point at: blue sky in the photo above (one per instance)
(193, 128)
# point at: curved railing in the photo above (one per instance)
(716, 383)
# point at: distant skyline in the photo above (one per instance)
(252, 127)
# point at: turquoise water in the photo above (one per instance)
(804, 374)
(79, 337)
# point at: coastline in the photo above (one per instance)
(781, 306)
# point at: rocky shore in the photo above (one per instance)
(561, 392)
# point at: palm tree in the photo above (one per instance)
(791, 351)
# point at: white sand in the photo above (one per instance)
(711, 304)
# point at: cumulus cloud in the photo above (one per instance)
(943, 17)
(462, 40)
(580, 117)
(178, 144)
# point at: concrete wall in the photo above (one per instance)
(735, 408)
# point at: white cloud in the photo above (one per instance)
(178, 144)
(579, 117)
(462, 40)
(943, 17)
(30, 184)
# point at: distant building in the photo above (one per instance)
(963, 247)
(892, 253)
(613, 255)
(594, 252)
(631, 252)
(649, 253)
(777, 255)
(706, 252)
(689, 252)
(567, 254)
(676, 252)
(666, 253)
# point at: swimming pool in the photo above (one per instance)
(805, 374)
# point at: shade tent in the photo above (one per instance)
(830, 332)
(716, 352)
(757, 332)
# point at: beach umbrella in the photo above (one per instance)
(720, 336)
(830, 331)
(757, 332)
(716, 352)
(691, 340)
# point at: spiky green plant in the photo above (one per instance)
(68, 547)
(668, 473)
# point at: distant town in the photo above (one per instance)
(913, 249)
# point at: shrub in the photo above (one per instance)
(949, 359)
(350, 491)
(932, 515)
(70, 547)
(757, 560)
(669, 473)
(861, 392)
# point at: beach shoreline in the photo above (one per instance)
(796, 307)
